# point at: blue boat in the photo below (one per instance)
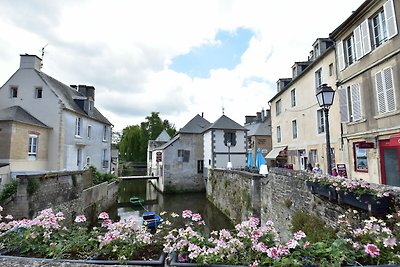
(151, 219)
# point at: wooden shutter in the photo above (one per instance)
(355, 102)
(366, 39)
(389, 89)
(380, 93)
(340, 56)
(344, 111)
(390, 18)
(358, 43)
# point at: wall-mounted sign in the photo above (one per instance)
(341, 169)
(366, 145)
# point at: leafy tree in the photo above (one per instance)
(133, 144)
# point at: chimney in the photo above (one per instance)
(258, 116)
(30, 62)
(262, 115)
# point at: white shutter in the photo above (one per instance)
(380, 93)
(344, 111)
(356, 102)
(358, 43)
(390, 18)
(389, 89)
(366, 40)
(340, 56)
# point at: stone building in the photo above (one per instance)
(368, 56)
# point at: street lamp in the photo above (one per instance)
(228, 144)
(325, 97)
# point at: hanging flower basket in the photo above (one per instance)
(372, 203)
(322, 190)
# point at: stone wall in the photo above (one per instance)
(276, 197)
(69, 192)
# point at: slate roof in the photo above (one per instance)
(163, 137)
(67, 95)
(260, 128)
(16, 113)
(225, 123)
(196, 125)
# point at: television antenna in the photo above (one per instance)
(41, 65)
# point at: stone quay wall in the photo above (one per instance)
(69, 192)
(276, 197)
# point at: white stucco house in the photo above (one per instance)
(46, 125)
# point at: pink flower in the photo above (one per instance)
(104, 215)
(273, 253)
(283, 251)
(389, 242)
(292, 243)
(372, 250)
(80, 218)
(196, 217)
(299, 235)
(186, 214)
(261, 247)
(9, 217)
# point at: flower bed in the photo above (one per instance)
(250, 243)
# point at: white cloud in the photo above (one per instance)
(124, 47)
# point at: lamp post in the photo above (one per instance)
(325, 97)
(228, 144)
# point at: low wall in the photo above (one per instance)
(69, 192)
(276, 197)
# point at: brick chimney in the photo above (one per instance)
(30, 62)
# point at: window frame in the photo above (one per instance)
(105, 132)
(320, 121)
(349, 51)
(294, 129)
(278, 134)
(379, 29)
(89, 131)
(33, 146)
(13, 91)
(278, 107)
(293, 97)
(318, 79)
(38, 92)
(78, 127)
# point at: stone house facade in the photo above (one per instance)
(298, 123)
(49, 126)
(368, 56)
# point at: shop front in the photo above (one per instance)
(389, 150)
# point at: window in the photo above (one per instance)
(88, 161)
(350, 103)
(105, 161)
(32, 147)
(318, 79)
(105, 133)
(331, 70)
(321, 121)
(230, 136)
(79, 158)
(349, 50)
(278, 134)
(200, 166)
(360, 158)
(183, 155)
(78, 126)
(13, 92)
(294, 129)
(89, 131)
(278, 107)
(38, 92)
(293, 97)
(379, 28)
(385, 91)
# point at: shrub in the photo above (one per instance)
(9, 190)
(99, 177)
(33, 185)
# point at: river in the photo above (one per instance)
(157, 202)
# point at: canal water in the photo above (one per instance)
(157, 202)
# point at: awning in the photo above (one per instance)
(275, 152)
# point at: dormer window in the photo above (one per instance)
(13, 92)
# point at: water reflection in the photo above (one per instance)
(157, 202)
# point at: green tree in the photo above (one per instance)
(134, 140)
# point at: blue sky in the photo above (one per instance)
(225, 52)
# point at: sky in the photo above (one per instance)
(176, 57)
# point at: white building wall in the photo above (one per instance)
(208, 149)
(221, 150)
(47, 109)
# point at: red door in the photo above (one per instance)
(390, 160)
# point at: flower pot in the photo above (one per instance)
(371, 203)
(159, 262)
(322, 190)
(175, 262)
